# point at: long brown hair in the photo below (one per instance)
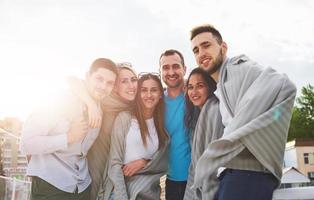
(158, 114)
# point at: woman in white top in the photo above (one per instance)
(138, 146)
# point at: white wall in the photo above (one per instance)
(290, 158)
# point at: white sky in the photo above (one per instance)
(44, 41)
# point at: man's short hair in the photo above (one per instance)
(206, 28)
(103, 63)
(171, 52)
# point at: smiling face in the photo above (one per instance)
(100, 83)
(172, 70)
(197, 90)
(126, 84)
(150, 94)
(209, 54)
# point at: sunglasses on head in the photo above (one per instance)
(124, 64)
(144, 74)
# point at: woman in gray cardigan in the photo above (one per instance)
(138, 153)
(200, 94)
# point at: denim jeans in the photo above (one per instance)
(245, 185)
(175, 189)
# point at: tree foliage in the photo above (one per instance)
(302, 122)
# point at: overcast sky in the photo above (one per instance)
(44, 41)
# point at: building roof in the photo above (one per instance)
(292, 175)
(300, 142)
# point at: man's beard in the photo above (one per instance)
(177, 84)
(216, 65)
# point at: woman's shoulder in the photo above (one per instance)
(124, 115)
(122, 124)
(210, 107)
(212, 102)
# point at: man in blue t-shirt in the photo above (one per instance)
(173, 70)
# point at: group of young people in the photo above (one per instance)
(219, 135)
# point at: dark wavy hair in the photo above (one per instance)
(192, 112)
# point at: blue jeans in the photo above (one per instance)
(175, 189)
(245, 185)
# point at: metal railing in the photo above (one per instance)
(14, 189)
(298, 193)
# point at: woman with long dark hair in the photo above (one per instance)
(199, 87)
(199, 95)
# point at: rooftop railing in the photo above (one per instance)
(298, 193)
(14, 189)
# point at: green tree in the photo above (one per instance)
(302, 122)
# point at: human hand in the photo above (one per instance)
(78, 131)
(133, 167)
(94, 112)
(94, 115)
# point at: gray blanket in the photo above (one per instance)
(208, 128)
(144, 185)
(260, 102)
